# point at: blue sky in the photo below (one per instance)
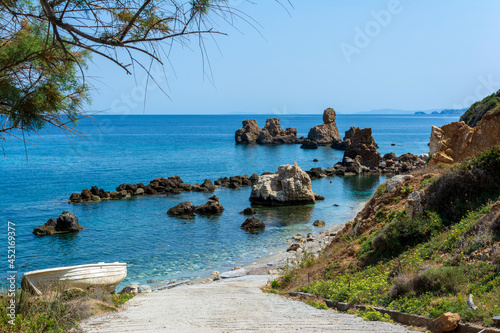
(350, 55)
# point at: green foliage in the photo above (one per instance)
(275, 284)
(321, 306)
(406, 191)
(466, 187)
(57, 311)
(120, 299)
(370, 314)
(476, 112)
(439, 280)
(405, 232)
(367, 286)
(381, 189)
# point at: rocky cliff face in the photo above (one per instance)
(457, 141)
(478, 110)
(289, 186)
(326, 133)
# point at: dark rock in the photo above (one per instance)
(94, 190)
(131, 188)
(183, 209)
(343, 307)
(150, 190)
(253, 178)
(293, 247)
(390, 156)
(253, 224)
(75, 198)
(309, 144)
(248, 211)
(65, 223)
(249, 133)
(362, 148)
(121, 187)
(213, 206)
(315, 160)
(208, 185)
(86, 195)
(316, 173)
(318, 197)
(319, 223)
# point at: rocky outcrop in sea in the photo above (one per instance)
(272, 133)
(65, 223)
(187, 209)
(326, 133)
(289, 186)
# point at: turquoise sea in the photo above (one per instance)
(36, 183)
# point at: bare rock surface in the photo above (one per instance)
(289, 186)
(455, 142)
(326, 133)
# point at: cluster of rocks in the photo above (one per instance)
(289, 186)
(272, 133)
(187, 209)
(237, 181)
(65, 223)
(156, 186)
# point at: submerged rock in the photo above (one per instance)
(289, 186)
(319, 223)
(65, 223)
(248, 211)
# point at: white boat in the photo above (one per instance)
(101, 275)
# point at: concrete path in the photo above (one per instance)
(234, 305)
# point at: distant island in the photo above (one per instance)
(445, 112)
(421, 112)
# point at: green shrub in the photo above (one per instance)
(371, 314)
(275, 284)
(466, 187)
(381, 189)
(441, 281)
(321, 306)
(405, 232)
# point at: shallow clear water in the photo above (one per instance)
(132, 149)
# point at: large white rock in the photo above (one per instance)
(289, 186)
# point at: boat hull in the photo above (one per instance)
(101, 275)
